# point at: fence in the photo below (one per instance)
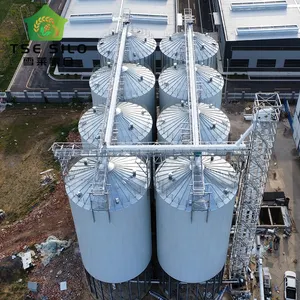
(45, 97)
(65, 97)
(243, 96)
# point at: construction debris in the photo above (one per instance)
(26, 259)
(2, 215)
(51, 248)
(47, 177)
(32, 286)
(63, 285)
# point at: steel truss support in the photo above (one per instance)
(266, 113)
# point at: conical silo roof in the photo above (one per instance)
(126, 182)
(173, 122)
(133, 123)
(173, 81)
(137, 46)
(174, 181)
(174, 46)
(136, 80)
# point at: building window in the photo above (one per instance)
(266, 63)
(77, 63)
(292, 63)
(265, 48)
(72, 63)
(96, 63)
(158, 66)
(239, 63)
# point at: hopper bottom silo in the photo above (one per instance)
(134, 289)
(177, 290)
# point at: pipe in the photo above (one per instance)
(260, 273)
(115, 87)
(184, 149)
(120, 16)
(244, 135)
(192, 84)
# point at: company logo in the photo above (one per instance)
(45, 25)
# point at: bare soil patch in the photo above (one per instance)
(35, 212)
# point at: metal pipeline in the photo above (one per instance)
(261, 278)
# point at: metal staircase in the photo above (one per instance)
(266, 111)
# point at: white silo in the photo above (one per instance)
(139, 48)
(133, 124)
(173, 124)
(137, 84)
(113, 230)
(173, 85)
(205, 49)
(192, 244)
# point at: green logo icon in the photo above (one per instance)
(45, 25)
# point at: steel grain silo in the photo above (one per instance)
(205, 47)
(139, 48)
(192, 243)
(173, 124)
(173, 85)
(133, 124)
(137, 84)
(113, 229)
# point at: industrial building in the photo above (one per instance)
(259, 36)
(89, 21)
(156, 209)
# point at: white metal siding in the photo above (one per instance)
(118, 250)
(192, 251)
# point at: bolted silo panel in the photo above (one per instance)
(136, 84)
(139, 48)
(192, 244)
(205, 49)
(133, 124)
(173, 124)
(113, 230)
(173, 85)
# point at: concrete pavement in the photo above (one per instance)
(288, 174)
(35, 77)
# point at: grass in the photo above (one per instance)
(25, 138)
(13, 291)
(12, 32)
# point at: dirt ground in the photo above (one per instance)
(35, 212)
(25, 137)
(286, 164)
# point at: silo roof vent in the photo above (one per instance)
(133, 172)
(213, 125)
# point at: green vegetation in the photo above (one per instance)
(26, 134)
(62, 131)
(12, 32)
(14, 291)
